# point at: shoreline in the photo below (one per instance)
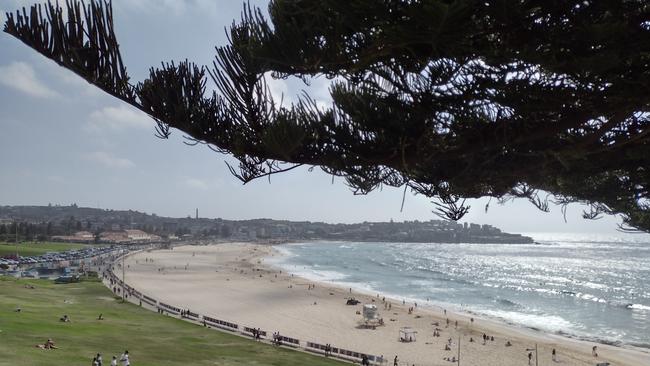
(459, 310)
(426, 351)
(456, 310)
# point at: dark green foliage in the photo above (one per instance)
(452, 99)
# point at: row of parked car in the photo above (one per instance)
(53, 257)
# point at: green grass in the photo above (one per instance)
(152, 339)
(38, 248)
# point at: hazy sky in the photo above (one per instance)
(64, 141)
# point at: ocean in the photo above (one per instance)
(584, 286)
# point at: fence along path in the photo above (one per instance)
(311, 347)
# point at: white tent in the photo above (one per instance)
(407, 334)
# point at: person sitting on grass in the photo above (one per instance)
(47, 345)
(100, 317)
(125, 359)
(65, 318)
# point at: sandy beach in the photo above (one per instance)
(233, 282)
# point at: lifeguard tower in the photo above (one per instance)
(371, 317)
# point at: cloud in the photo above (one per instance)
(196, 183)
(21, 76)
(109, 160)
(77, 86)
(202, 184)
(117, 119)
(55, 178)
(175, 7)
(279, 91)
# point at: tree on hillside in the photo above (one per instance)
(448, 98)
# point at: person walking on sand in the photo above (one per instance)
(395, 361)
(530, 358)
(554, 355)
(594, 351)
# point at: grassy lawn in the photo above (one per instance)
(31, 249)
(151, 339)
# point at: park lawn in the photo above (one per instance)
(152, 339)
(37, 248)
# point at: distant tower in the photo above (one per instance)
(197, 213)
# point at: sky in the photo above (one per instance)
(63, 141)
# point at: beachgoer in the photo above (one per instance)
(395, 361)
(508, 344)
(125, 359)
(492, 338)
(594, 352)
(530, 358)
(364, 361)
(554, 355)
